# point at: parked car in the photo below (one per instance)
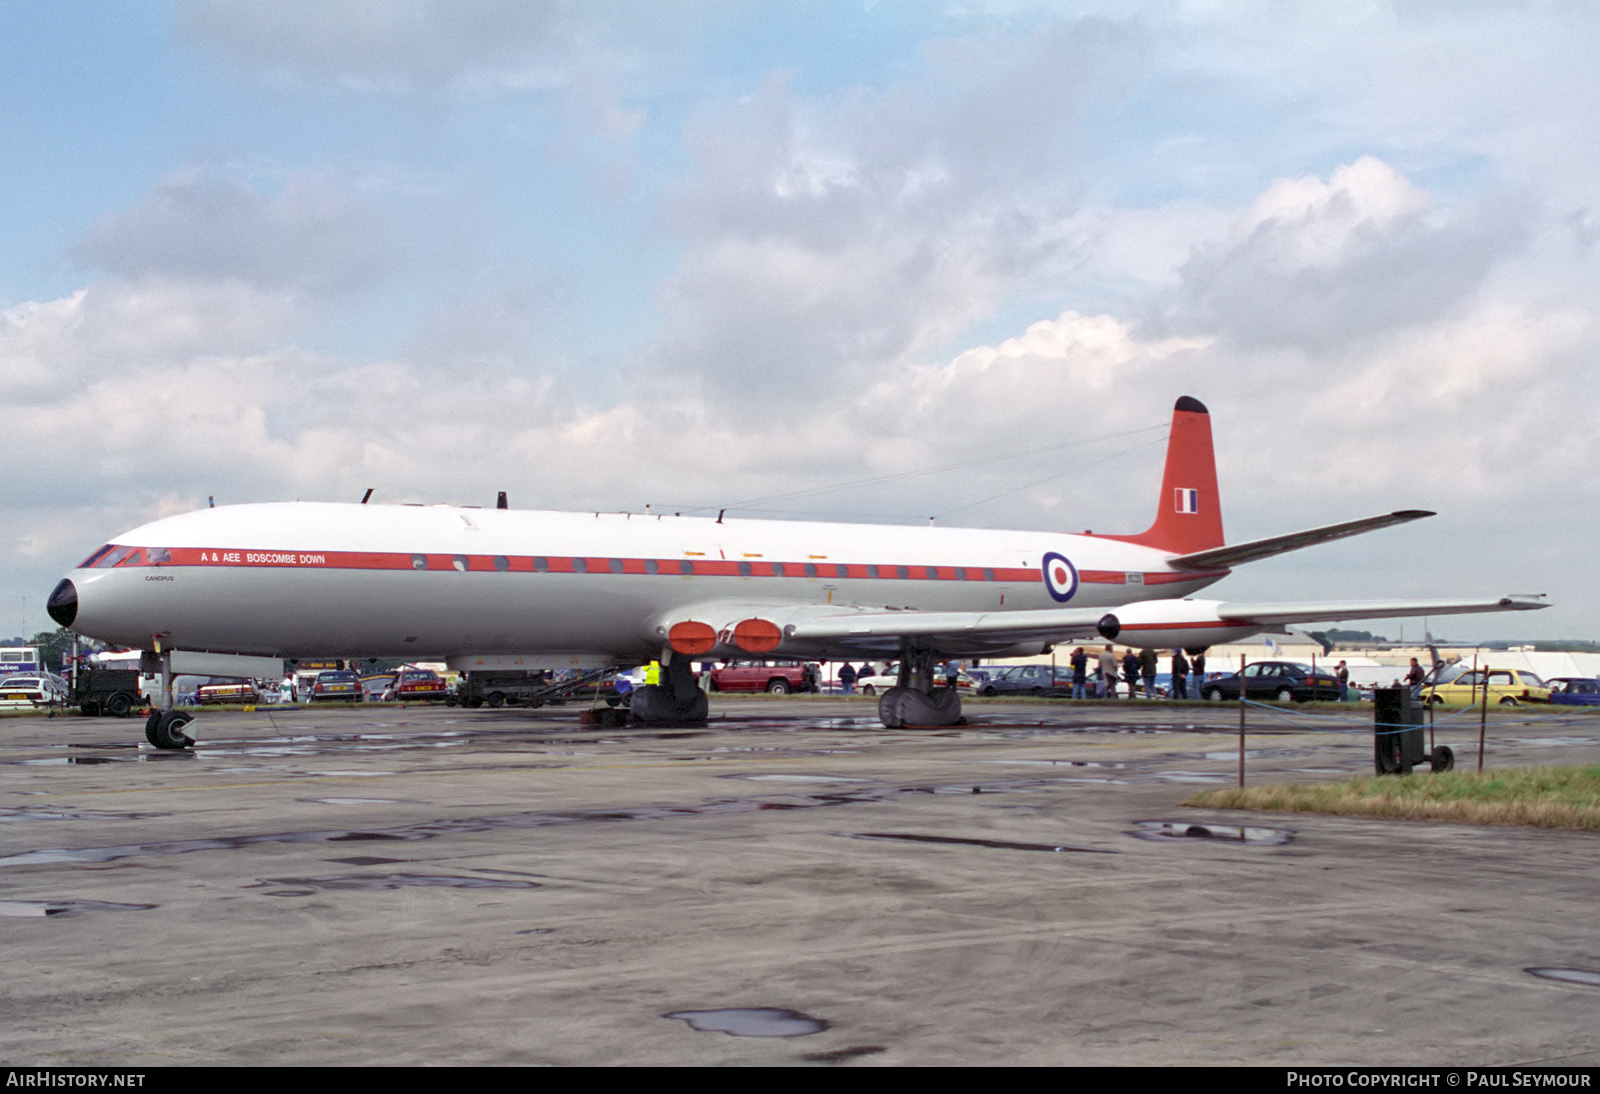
(411, 683)
(1282, 681)
(226, 689)
(1574, 691)
(336, 684)
(876, 683)
(777, 677)
(33, 690)
(1506, 687)
(374, 684)
(1038, 680)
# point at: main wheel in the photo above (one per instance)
(778, 687)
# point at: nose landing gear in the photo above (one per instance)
(164, 729)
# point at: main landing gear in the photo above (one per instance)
(677, 698)
(915, 700)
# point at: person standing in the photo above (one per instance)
(1080, 673)
(1108, 673)
(847, 679)
(1342, 674)
(1197, 669)
(1130, 670)
(1147, 669)
(1180, 675)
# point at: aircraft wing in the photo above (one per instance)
(1233, 555)
(737, 628)
(816, 630)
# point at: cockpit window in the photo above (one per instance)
(113, 556)
(95, 558)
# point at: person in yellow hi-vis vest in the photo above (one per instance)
(652, 673)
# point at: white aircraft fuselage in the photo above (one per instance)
(307, 579)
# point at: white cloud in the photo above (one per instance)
(1313, 264)
(310, 237)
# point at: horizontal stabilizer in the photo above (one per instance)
(1222, 557)
(1195, 624)
(1337, 610)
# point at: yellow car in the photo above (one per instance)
(1507, 687)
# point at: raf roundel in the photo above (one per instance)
(1060, 577)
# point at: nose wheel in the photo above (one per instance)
(165, 729)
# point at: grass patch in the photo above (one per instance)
(1540, 797)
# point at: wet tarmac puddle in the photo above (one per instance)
(308, 886)
(431, 829)
(781, 778)
(53, 908)
(751, 1022)
(998, 844)
(843, 1055)
(1587, 977)
(1220, 833)
(31, 813)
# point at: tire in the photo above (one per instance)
(867, 690)
(1443, 759)
(119, 705)
(164, 730)
(778, 687)
(89, 707)
(1285, 695)
(1036, 692)
(1212, 695)
(987, 693)
(1509, 701)
(496, 700)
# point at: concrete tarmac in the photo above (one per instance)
(439, 886)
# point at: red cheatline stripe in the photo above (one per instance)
(277, 558)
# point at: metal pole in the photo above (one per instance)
(1483, 716)
(1241, 721)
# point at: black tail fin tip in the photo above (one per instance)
(1190, 403)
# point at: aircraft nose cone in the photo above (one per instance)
(63, 603)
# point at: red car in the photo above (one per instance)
(778, 677)
(415, 683)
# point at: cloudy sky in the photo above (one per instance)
(865, 260)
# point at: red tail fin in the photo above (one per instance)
(1189, 516)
